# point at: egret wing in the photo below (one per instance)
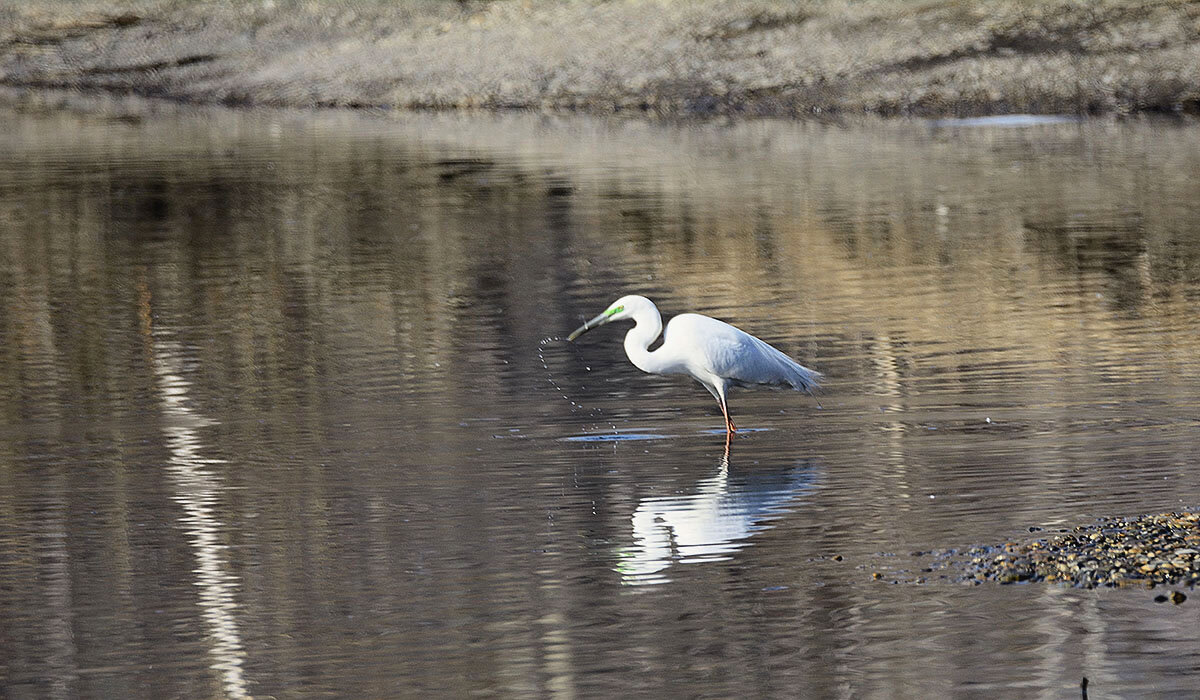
(725, 351)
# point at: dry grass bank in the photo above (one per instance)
(940, 57)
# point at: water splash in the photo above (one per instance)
(576, 407)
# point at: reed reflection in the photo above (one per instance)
(712, 523)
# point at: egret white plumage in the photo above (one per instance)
(712, 352)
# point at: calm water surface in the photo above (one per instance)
(286, 412)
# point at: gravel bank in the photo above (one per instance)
(1147, 550)
(740, 57)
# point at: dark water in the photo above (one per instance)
(280, 416)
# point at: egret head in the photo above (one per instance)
(619, 310)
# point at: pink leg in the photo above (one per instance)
(729, 426)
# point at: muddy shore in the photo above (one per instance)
(938, 58)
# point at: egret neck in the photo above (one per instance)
(647, 326)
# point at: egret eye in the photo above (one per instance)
(615, 310)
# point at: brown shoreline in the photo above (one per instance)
(939, 58)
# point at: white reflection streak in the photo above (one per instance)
(710, 525)
(197, 490)
(699, 526)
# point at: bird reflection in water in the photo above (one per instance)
(712, 523)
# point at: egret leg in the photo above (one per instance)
(717, 389)
(729, 426)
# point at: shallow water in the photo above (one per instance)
(286, 412)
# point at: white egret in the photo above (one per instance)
(712, 352)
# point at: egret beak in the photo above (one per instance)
(598, 321)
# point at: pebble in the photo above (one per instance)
(1148, 550)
